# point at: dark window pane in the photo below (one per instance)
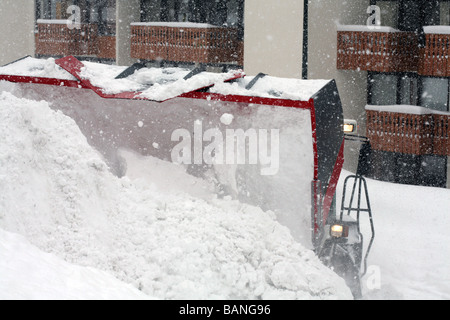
(408, 90)
(435, 93)
(434, 171)
(432, 15)
(410, 16)
(383, 89)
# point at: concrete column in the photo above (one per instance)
(128, 11)
(17, 29)
(273, 37)
(324, 17)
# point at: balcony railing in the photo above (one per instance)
(54, 38)
(441, 135)
(384, 50)
(186, 42)
(389, 50)
(421, 133)
(434, 55)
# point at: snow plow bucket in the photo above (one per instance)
(270, 142)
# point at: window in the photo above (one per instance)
(382, 89)
(411, 15)
(215, 12)
(409, 18)
(445, 13)
(408, 90)
(44, 9)
(435, 93)
(101, 12)
(391, 89)
(434, 171)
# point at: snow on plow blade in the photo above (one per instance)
(274, 143)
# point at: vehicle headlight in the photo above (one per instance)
(338, 231)
(350, 126)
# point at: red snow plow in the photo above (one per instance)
(270, 142)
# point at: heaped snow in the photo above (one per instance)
(45, 68)
(278, 180)
(156, 84)
(57, 192)
(272, 87)
(160, 233)
(160, 84)
(29, 273)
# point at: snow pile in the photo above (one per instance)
(57, 192)
(156, 84)
(161, 92)
(52, 278)
(45, 68)
(160, 84)
(277, 177)
(104, 77)
(272, 87)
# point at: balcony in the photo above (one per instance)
(418, 132)
(382, 50)
(54, 38)
(186, 42)
(389, 50)
(434, 55)
(441, 135)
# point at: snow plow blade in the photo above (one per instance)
(274, 143)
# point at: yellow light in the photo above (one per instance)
(349, 128)
(337, 231)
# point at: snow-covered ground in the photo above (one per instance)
(71, 230)
(411, 253)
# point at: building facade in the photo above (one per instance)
(393, 78)
(17, 22)
(405, 61)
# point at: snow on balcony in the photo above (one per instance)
(365, 28)
(436, 29)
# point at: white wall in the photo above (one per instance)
(16, 29)
(274, 45)
(324, 16)
(274, 37)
